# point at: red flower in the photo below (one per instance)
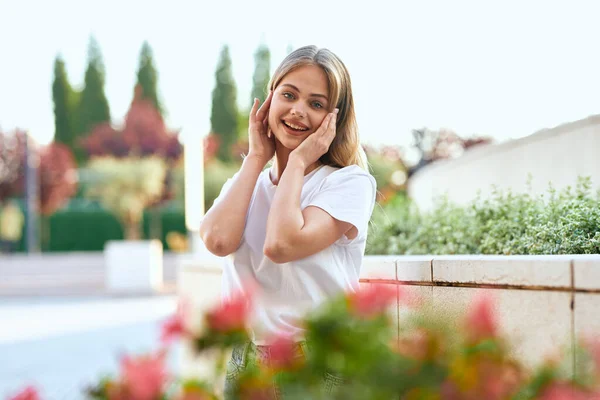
(481, 319)
(564, 391)
(373, 300)
(28, 393)
(144, 376)
(229, 316)
(174, 327)
(284, 354)
(593, 346)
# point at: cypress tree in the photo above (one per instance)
(262, 74)
(63, 97)
(147, 77)
(93, 106)
(224, 113)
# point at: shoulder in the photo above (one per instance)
(351, 175)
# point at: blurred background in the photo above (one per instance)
(101, 104)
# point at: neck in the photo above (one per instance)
(282, 155)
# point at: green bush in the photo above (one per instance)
(216, 174)
(88, 228)
(507, 223)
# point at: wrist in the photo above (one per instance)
(297, 161)
(254, 162)
(256, 159)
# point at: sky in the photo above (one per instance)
(500, 68)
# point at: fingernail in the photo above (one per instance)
(337, 110)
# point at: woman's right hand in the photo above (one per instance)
(261, 145)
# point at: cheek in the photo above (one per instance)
(318, 119)
(275, 111)
(273, 119)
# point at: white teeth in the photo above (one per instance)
(298, 128)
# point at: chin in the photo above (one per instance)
(289, 142)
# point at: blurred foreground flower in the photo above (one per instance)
(481, 320)
(144, 377)
(564, 391)
(29, 393)
(284, 353)
(373, 300)
(353, 349)
(175, 326)
(229, 316)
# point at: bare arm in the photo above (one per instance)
(293, 234)
(222, 227)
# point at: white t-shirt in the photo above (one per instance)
(286, 291)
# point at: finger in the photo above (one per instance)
(254, 108)
(324, 125)
(262, 111)
(330, 132)
(266, 126)
(333, 123)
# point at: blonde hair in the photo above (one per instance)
(345, 149)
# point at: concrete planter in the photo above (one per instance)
(134, 266)
(543, 303)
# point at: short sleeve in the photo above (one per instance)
(225, 188)
(348, 195)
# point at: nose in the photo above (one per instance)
(297, 111)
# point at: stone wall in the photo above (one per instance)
(558, 155)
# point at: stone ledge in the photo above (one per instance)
(522, 271)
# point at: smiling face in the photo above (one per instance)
(299, 105)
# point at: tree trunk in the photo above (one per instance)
(155, 223)
(132, 231)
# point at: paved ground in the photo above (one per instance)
(63, 344)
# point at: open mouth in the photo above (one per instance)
(293, 127)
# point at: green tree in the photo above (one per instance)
(147, 77)
(64, 98)
(93, 106)
(224, 113)
(262, 74)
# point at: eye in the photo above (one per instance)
(317, 104)
(288, 95)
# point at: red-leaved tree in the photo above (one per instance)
(12, 150)
(143, 134)
(57, 173)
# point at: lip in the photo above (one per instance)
(293, 132)
(297, 123)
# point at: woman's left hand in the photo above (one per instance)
(317, 144)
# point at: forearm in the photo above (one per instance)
(223, 225)
(285, 221)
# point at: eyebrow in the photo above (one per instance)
(298, 90)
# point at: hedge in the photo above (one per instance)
(85, 226)
(566, 222)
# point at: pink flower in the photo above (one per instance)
(28, 393)
(564, 391)
(373, 300)
(145, 376)
(481, 319)
(284, 353)
(174, 327)
(229, 316)
(593, 346)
